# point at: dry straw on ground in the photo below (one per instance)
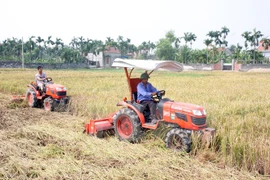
(39, 144)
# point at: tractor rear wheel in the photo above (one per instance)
(48, 104)
(127, 125)
(31, 98)
(179, 140)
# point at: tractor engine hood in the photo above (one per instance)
(191, 109)
(56, 87)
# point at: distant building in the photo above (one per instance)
(104, 59)
(95, 60)
(266, 52)
(109, 55)
(227, 51)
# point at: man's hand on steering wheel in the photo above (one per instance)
(161, 92)
(48, 79)
(157, 96)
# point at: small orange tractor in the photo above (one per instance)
(129, 123)
(53, 98)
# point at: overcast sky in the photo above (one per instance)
(139, 20)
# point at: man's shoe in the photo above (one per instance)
(154, 121)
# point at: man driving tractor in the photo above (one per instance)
(40, 78)
(145, 91)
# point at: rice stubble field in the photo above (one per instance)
(39, 144)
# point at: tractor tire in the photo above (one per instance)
(31, 98)
(48, 104)
(179, 140)
(127, 125)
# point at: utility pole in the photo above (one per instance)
(22, 55)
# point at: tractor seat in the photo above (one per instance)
(135, 97)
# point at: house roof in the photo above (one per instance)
(226, 50)
(112, 50)
(261, 48)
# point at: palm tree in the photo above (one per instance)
(133, 49)
(151, 46)
(146, 47)
(50, 43)
(87, 46)
(255, 41)
(186, 37)
(120, 38)
(214, 51)
(58, 42)
(18, 48)
(207, 42)
(98, 46)
(30, 45)
(143, 49)
(247, 36)
(217, 36)
(110, 42)
(225, 43)
(4, 48)
(265, 43)
(185, 48)
(224, 32)
(177, 42)
(192, 37)
(238, 50)
(211, 34)
(11, 46)
(74, 43)
(39, 40)
(123, 45)
(81, 45)
(218, 42)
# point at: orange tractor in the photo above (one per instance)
(54, 97)
(129, 123)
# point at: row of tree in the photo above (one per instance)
(37, 49)
(216, 48)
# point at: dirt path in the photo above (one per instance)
(14, 115)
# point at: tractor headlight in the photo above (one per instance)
(197, 112)
(65, 89)
(61, 89)
(204, 112)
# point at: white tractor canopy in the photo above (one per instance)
(148, 64)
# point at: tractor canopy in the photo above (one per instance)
(151, 65)
(148, 64)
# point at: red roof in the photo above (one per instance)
(113, 50)
(261, 48)
(220, 49)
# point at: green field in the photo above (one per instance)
(237, 105)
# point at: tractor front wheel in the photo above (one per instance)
(179, 140)
(127, 125)
(48, 104)
(31, 98)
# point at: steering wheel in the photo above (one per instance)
(158, 96)
(48, 79)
